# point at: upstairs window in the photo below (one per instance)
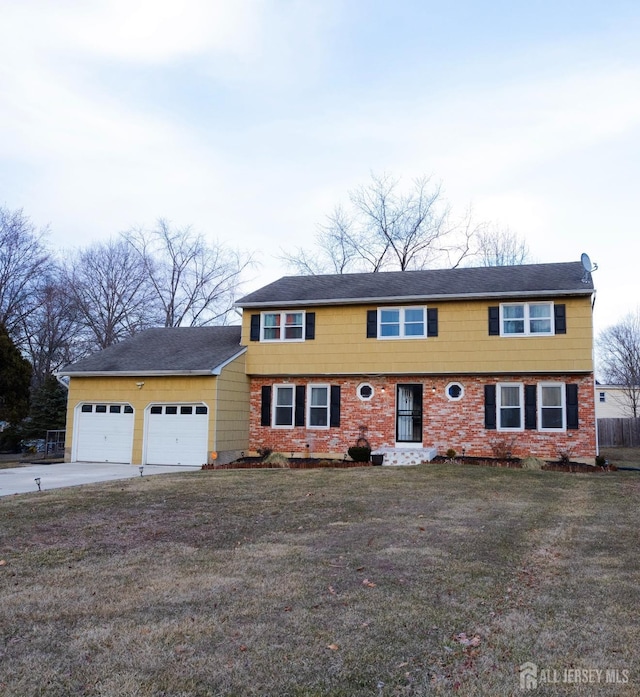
(526, 319)
(283, 326)
(402, 322)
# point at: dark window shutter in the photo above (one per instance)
(494, 321)
(265, 409)
(530, 415)
(432, 321)
(572, 406)
(255, 328)
(310, 325)
(372, 324)
(334, 412)
(299, 417)
(560, 318)
(490, 406)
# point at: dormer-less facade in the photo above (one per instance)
(482, 360)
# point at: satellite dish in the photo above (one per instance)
(588, 267)
(586, 263)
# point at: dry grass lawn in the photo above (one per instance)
(434, 580)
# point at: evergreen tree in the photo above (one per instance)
(15, 378)
(48, 409)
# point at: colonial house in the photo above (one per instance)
(484, 361)
(165, 396)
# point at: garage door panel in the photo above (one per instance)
(104, 433)
(177, 435)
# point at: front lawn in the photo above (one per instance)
(432, 580)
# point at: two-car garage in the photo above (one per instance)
(165, 396)
(174, 434)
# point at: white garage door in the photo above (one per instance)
(177, 434)
(103, 433)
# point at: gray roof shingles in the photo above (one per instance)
(509, 281)
(164, 350)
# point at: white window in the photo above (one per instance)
(283, 405)
(526, 319)
(283, 326)
(318, 406)
(454, 391)
(551, 406)
(603, 397)
(365, 391)
(402, 322)
(510, 400)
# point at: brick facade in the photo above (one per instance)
(446, 423)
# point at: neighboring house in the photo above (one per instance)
(165, 396)
(612, 402)
(481, 360)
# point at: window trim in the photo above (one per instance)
(361, 397)
(563, 406)
(309, 405)
(527, 319)
(282, 326)
(499, 426)
(450, 397)
(275, 405)
(402, 322)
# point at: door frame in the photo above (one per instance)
(416, 414)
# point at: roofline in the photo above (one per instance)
(134, 373)
(412, 298)
(216, 370)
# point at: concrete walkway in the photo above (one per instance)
(21, 480)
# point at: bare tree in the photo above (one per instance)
(501, 247)
(52, 331)
(619, 351)
(109, 290)
(389, 227)
(193, 283)
(23, 258)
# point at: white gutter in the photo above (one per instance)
(415, 298)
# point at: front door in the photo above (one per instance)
(409, 414)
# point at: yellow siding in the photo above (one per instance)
(462, 345)
(177, 389)
(233, 407)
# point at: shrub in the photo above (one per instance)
(601, 461)
(503, 448)
(359, 453)
(564, 456)
(532, 463)
(276, 460)
(451, 453)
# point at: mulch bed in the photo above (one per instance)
(314, 463)
(516, 463)
(300, 463)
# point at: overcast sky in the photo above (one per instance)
(251, 119)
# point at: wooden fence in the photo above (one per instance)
(619, 433)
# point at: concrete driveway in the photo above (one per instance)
(21, 480)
